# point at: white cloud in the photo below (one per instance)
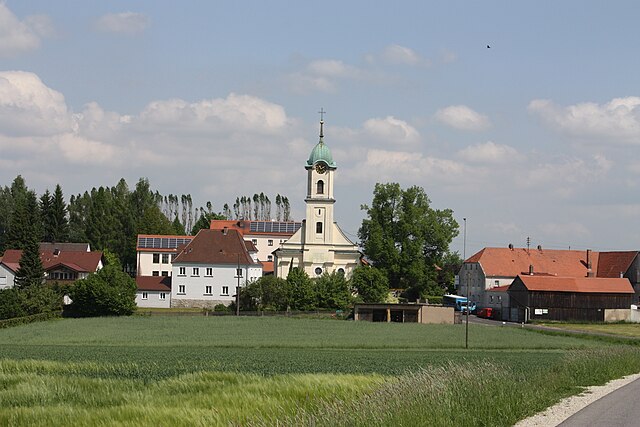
(391, 130)
(489, 152)
(16, 36)
(29, 107)
(127, 23)
(241, 113)
(463, 117)
(617, 120)
(79, 150)
(332, 68)
(397, 54)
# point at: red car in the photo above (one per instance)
(486, 313)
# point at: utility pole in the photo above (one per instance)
(464, 256)
(238, 288)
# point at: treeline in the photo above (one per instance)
(111, 217)
(258, 208)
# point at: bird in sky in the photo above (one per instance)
(488, 47)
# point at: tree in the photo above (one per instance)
(370, 283)
(333, 291)
(59, 222)
(109, 292)
(302, 294)
(204, 222)
(405, 238)
(30, 271)
(46, 210)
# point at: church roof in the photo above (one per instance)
(321, 153)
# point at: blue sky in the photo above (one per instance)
(536, 136)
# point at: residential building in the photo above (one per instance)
(207, 270)
(496, 267)
(319, 246)
(60, 265)
(153, 291)
(155, 253)
(265, 235)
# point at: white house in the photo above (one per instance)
(319, 245)
(153, 291)
(207, 271)
(265, 235)
(155, 252)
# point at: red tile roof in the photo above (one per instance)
(505, 262)
(611, 264)
(80, 261)
(215, 247)
(577, 284)
(154, 283)
(267, 267)
(504, 288)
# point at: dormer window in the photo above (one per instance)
(320, 187)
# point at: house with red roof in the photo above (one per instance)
(153, 291)
(267, 236)
(207, 271)
(62, 263)
(494, 268)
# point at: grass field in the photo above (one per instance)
(259, 371)
(622, 329)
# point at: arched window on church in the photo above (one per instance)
(320, 187)
(318, 227)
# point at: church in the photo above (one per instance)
(319, 246)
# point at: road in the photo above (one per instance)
(616, 409)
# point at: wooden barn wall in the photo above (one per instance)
(579, 300)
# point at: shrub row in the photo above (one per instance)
(40, 317)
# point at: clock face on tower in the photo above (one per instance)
(321, 168)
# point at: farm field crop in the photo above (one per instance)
(622, 329)
(227, 370)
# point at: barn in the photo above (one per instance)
(591, 299)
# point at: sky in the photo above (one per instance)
(522, 117)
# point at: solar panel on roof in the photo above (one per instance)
(274, 226)
(162, 242)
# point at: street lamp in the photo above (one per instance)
(464, 256)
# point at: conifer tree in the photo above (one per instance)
(46, 210)
(60, 229)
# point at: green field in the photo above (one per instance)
(259, 371)
(622, 329)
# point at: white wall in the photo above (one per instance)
(146, 266)
(6, 277)
(223, 275)
(153, 299)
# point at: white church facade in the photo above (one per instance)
(319, 246)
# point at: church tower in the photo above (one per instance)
(321, 170)
(319, 246)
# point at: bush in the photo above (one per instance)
(434, 299)
(30, 300)
(40, 317)
(220, 308)
(371, 284)
(109, 292)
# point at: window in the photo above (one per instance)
(181, 290)
(497, 282)
(254, 241)
(195, 271)
(156, 258)
(163, 296)
(318, 271)
(225, 290)
(165, 273)
(238, 272)
(318, 227)
(145, 295)
(320, 187)
(183, 271)
(270, 242)
(270, 258)
(165, 258)
(341, 271)
(499, 298)
(207, 290)
(155, 273)
(490, 298)
(209, 271)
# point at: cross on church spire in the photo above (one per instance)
(322, 113)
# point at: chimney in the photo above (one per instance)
(225, 230)
(530, 269)
(589, 271)
(539, 248)
(511, 246)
